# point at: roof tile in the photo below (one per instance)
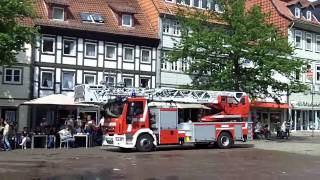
(141, 28)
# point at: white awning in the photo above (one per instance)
(56, 99)
(178, 105)
(191, 106)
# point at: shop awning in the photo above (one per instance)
(269, 105)
(56, 99)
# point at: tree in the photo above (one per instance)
(13, 34)
(236, 50)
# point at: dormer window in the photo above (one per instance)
(297, 12)
(127, 20)
(90, 17)
(309, 15)
(183, 2)
(58, 13)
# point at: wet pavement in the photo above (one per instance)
(169, 163)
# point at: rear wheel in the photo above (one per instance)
(144, 143)
(224, 140)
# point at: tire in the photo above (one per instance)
(224, 140)
(144, 143)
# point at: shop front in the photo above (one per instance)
(270, 114)
(305, 112)
(305, 118)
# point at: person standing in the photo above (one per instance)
(6, 130)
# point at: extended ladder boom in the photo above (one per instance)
(100, 94)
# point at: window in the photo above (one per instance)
(318, 43)
(144, 83)
(176, 28)
(164, 63)
(91, 50)
(92, 18)
(297, 75)
(128, 82)
(166, 26)
(47, 79)
(297, 12)
(89, 79)
(204, 4)
(318, 72)
(184, 65)
(111, 52)
(69, 47)
(196, 3)
(67, 80)
(48, 45)
(183, 2)
(174, 66)
(58, 13)
(298, 39)
(145, 56)
(309, 15)
(12, 75)
(127, 20)
(308, 41)
(128, 54)
(110, 80)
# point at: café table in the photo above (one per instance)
(39, 136)
(86, 136)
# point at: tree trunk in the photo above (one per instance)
(236, 74)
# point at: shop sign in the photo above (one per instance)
(308, 104)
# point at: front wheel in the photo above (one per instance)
(144, 143)
(224, 140)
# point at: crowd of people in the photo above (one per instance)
(262, 130)
(11, 138)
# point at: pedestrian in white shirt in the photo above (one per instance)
(6, 130)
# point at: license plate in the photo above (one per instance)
(119, 138)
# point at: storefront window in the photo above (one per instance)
(299, 119)
(293, 116)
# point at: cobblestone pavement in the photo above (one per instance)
(302, 144)
(263, 160)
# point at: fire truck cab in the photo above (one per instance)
(145, 122)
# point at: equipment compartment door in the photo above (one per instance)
(204, 132)
(238, 132)
(169, 137)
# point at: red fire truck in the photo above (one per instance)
(147, 118)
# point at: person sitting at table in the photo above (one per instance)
(77, 129)
(65, 135)
(44, 123)
(69, 122)
(25, 136)
(51, 137)
(37, 130)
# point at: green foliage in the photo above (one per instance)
(13, 35)
(243, 53)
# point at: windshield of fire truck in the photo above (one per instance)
(114, 109)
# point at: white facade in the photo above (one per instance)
(15, 89)
(64, 62)
(173, 74)
(305, 110)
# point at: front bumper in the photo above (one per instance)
(117, 141)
